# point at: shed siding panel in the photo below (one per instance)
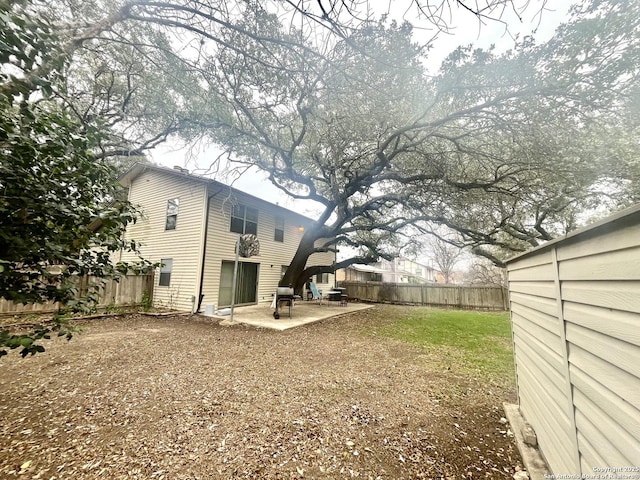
(542, 339)
(546, 367)
(547, 322)
(614, 379)
(607, 294)
(539, 289)
(539, 360)
(543, 371)
(538, 407)
(589, 456)
(616, 265)
(615, 323)
(608, 241)
(623, 448)
(540, 304)
(609, 452)
(152, 190)
(544, 272)
(532, 261)
(625, 414)
(598, 274)
(617, 352)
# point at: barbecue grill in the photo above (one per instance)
(284, 295)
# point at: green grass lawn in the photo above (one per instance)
(472, 342)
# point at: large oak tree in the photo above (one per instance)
(85, 82)
(506, 149)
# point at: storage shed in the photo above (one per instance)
(575, 313)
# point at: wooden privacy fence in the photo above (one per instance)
(129, 291)
(458, 296)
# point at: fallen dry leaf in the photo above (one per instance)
(138, 397)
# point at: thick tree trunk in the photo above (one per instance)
(294, 275)
(298, 273)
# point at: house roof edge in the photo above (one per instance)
(139, 168)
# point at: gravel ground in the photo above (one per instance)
(139, 397)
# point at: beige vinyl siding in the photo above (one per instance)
(539, 357)
(151, 190)
(576, 329)
(151, 187)
(273, 254)
(323, 258)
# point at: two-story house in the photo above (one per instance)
(397, 270)
(403, 270)
(191, 224)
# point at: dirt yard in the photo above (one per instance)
(138, 397)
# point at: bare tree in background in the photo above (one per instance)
(484, 272)
(445, 254)
(341, 16)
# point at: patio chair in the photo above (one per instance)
(316, 294)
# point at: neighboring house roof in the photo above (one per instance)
(137, 169)
(426, 267)
(367, 268)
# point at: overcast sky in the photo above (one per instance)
(464, 29)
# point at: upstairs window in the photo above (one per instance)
(165, 272)
(244, 219)
(279, 232)
(322, 278)
(172, 214)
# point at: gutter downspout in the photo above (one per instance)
(204, 249)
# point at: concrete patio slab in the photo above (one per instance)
(261, 315)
